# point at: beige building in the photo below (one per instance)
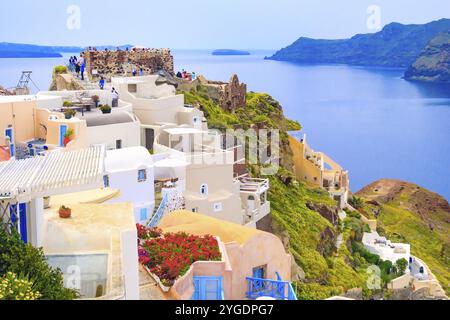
(27, 123)
(246, 253)
(319, 169)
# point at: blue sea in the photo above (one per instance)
(370, 120)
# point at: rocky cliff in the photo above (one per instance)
(303, 216)
(62, 80)
(433, 64)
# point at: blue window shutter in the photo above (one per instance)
(62, 133)
(144, 214)
(106, 181)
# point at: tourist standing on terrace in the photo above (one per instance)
(71, 64)
(115, 98)
(101, 83)
(141, 72)
(77, 69)
(193, 76)
(134, 72)
(82, 66)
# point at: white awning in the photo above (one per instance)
(56, 173)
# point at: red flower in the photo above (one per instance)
(171, 255)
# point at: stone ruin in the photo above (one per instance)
(107, 63)
(233, 94)
(229, 95)
(4, 92)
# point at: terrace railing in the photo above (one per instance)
(277, 289)
(252, 185)
(159, 213)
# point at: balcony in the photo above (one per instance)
(276, 289)
(256, 186)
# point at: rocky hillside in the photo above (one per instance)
(397, 45)
(304, 217)
(433, 65)
(408, 213)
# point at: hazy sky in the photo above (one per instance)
(203, 24)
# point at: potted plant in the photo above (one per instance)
(105, 108)
(68, 137)
(96, 100)
(67, 104)
(69, 114)
(65, 212)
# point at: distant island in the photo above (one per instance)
(230, 52)
(19, 50)
(397, 46)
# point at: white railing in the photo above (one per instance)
(254, 185)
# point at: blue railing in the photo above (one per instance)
(291, 293)
(280, 290)
(159, 213)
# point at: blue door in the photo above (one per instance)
(208, 288)
(62, 133)
(23, 222)
(9, 133)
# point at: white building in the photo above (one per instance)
(384, 248)
(131, 171)
(102, 237)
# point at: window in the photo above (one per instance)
(218, 207)
(118, 144)
(259, 272)
(142, 175)
(106, 181)
(144, 214)
(196, 119)
(204, 190)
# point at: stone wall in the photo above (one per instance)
(121, 62)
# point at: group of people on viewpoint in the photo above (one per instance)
(78, 65)
(190, 76)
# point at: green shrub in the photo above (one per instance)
(60, 69)
(30, 262)
(356, 202)
(13, 287)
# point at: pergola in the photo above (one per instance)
(59, 172)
